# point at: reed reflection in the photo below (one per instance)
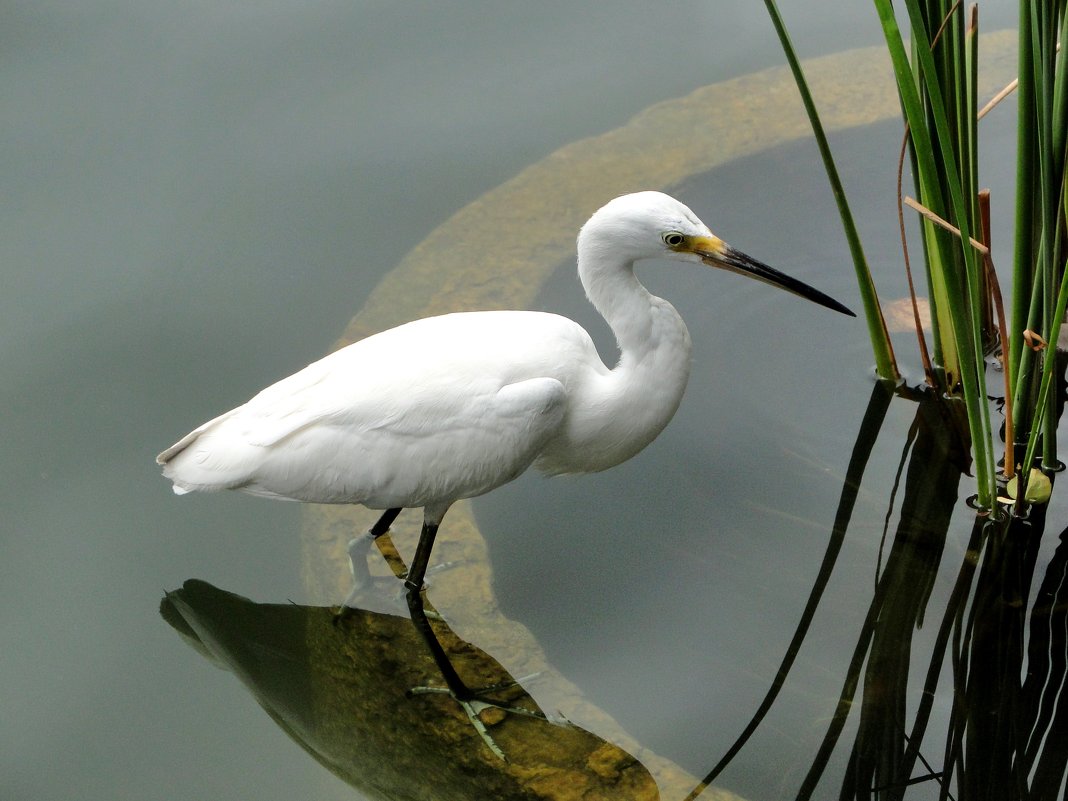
(1003, 647)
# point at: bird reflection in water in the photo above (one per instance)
(342, 693)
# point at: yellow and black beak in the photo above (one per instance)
(717, 253)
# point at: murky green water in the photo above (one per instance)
(196, 201)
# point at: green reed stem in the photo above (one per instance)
(939, 175)
(885, 363)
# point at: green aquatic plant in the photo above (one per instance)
(935, 64)
(1000, 642)
(883, 350)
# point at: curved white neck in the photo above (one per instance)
(642, 323)
(640, 395)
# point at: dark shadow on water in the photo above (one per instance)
(342, 692)
(1007, 732)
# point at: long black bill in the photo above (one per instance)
(727, 258)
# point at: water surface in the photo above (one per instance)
(197, 198)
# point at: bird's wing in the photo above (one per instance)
(443, 444)
(388, 419)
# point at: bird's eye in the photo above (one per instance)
(673, 239)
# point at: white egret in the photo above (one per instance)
(451, 407)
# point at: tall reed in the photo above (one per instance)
(935, 63)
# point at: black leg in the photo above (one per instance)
(384, 522)
(418, 566)
(470, 701)
(414, 586)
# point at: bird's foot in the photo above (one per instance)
(394, 602)
(473, 705)
(438, 568)
(380, 595)
(364, 584)
(362, 580)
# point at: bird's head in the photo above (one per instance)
(652, 225)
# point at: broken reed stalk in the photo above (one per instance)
(925, 356)
(994, 287)
(912, 203)
(1008, 90)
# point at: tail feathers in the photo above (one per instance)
(170, 470)
(165, 457)
(193, 435)
(200, 461)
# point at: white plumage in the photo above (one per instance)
(451, 407)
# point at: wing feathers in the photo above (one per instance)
(436, 410)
